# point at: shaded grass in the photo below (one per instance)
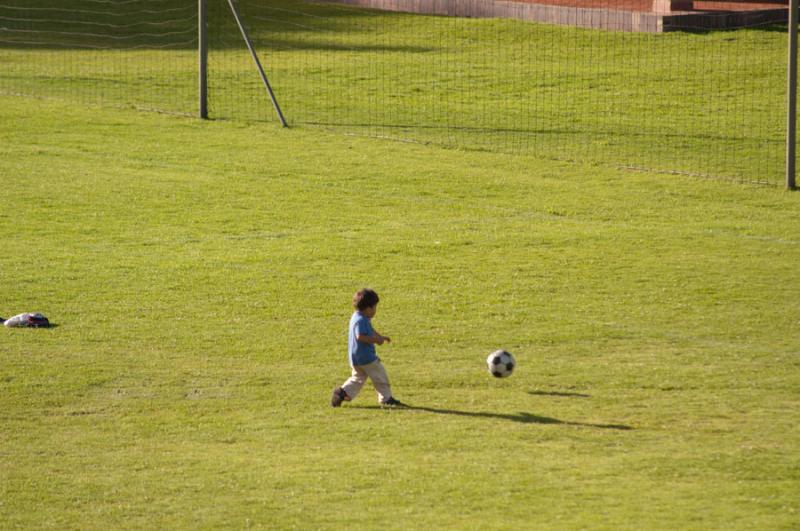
(200, 278)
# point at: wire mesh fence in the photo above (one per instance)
(138, 53)
(591, 80)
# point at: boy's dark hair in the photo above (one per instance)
(365, 298)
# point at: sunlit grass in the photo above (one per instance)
(200, 276)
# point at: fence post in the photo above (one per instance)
(202, 50)
(254, 54)
(791, 119)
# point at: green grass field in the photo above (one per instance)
(698, 103)
(200, 276)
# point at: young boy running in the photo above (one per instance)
(363, 359)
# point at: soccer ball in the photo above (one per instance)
(501, 363)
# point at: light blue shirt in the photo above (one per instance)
(360, 353)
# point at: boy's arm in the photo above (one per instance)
(385, 338)
(374, 339)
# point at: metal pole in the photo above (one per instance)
(258, 63)
(791, 121)
(202, 50)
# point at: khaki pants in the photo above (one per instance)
(375, 372)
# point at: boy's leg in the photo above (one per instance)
(377, 373)
(356, 381)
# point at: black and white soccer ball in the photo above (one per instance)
(501, 363)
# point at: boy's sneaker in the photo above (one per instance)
(392, 402)
(338, 396)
